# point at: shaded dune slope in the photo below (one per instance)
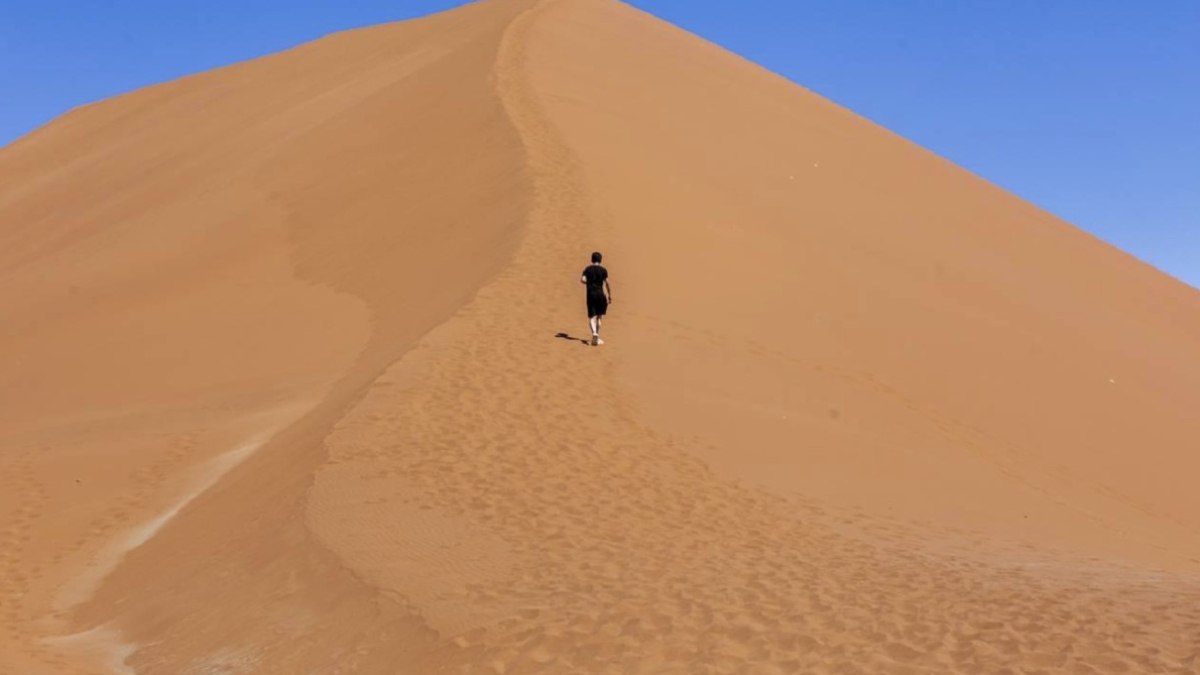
(218, 260)
(860, 411)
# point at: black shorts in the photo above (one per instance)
(597, 304)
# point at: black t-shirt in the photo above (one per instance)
(595, 275)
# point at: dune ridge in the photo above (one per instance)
(472, 493)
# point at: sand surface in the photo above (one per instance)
(282, 386)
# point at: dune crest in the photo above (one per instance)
(859, 411)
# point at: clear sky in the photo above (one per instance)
(1088, 108)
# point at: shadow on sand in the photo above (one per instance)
(567, 336)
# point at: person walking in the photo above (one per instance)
(599, 295)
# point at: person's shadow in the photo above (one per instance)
(566, 336)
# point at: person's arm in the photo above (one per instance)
(608, 288)
(583, 277)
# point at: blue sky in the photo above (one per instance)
(1088, 108)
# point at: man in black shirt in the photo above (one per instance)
(599, 295)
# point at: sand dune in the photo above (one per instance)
(859, 411)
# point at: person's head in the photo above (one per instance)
(596, 258)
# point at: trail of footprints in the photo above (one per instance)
(19, 572)
(18, 529)
(20, 568)
(635, 558)
(632, 557)
(145, 482)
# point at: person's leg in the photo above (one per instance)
(594, 322)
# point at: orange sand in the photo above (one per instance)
(280, 390)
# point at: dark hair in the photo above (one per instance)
(596, 257)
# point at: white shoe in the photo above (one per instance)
(597, 341)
